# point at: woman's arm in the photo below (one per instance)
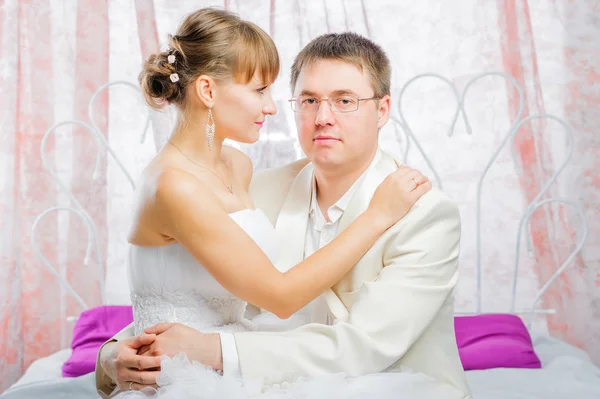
(194, 217)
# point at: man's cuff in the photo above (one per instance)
(105, 386)
(231, 360)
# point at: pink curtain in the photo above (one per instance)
(91, 71)
(33, 306)
(582, 98)
(25, 316)
(575, 295)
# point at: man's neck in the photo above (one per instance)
(331, 185)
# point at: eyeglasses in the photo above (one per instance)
(341, 103)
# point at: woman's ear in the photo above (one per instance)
(205, 90)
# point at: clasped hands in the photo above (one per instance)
(134, 363)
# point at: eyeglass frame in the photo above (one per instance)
(293, 99)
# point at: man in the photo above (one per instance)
(394, 308)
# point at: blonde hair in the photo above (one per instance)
(350, 48)
(209, 42)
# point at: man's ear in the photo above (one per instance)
(384, 104)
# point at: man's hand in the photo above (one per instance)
(121, 362)
(174, 338)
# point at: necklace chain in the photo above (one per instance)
(229, 187)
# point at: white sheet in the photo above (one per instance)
(45, 369)
(43, 379)
(567, 373)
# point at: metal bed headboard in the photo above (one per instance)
(77, 208)
(530, 209)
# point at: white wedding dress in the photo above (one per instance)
(169, 285)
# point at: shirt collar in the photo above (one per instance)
(336, 211)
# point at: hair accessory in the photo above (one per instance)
(174, 77)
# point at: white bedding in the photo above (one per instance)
(43, 379)
(45, 369)
(567, 373)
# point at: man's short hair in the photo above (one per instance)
(350, 48)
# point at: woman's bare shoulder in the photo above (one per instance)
(165, 184)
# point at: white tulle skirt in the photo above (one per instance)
(181, 379)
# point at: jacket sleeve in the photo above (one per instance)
(388, 314)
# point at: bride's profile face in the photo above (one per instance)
(241, 108)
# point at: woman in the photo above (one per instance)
(199, 250)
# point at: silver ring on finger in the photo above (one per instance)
(416, 183)
(130, 384)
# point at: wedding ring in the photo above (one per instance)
(416, 183)
(130, 384)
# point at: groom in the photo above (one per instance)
(394, 309)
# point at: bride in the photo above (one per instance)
(200, 251)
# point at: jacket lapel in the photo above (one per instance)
(358, 204)
(292, 221)
(361, 199)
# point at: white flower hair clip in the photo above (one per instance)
(171, 58)
(174, 77)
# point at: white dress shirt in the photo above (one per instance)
(319, 233)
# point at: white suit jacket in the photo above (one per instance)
(393, 310)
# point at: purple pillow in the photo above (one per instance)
(494, 340)
(93, 328)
